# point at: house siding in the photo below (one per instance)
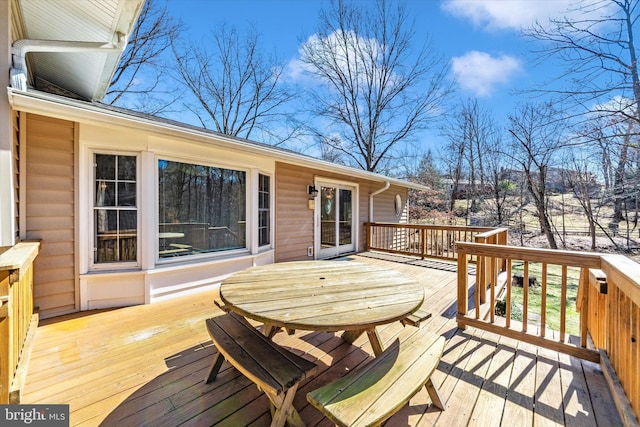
(294, 219)
(50, 207)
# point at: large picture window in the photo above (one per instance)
(115, 209)
(201, 209)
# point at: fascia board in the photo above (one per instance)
(68, 109)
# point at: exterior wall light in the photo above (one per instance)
(313, 193)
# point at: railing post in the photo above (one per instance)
(463, 287)
(16, 310)
(368, 235)
(582, 305)
(6, 369)
(482, 272)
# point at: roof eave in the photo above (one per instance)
(69, 109)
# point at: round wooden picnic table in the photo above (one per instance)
(323, 296)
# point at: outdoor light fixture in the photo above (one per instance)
(313, 192)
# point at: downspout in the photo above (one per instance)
(20, 48)
(387, 184)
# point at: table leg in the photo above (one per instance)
(269, 330)
(376, 342)
(374, 338)
(351, 336)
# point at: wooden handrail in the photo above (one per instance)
(424, 240)
(608, 303)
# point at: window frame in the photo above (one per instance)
(269, 226)
(398, 205)
(93, 247)
(202, 256)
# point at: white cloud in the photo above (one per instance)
(297, 71)
(511, 14)
(480, 73)
(335, 48)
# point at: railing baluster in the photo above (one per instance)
(525, 297)
(543, 302)
(494, 281)
(563, 304)
(479, 284)
(508, 302)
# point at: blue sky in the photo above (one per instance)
(479, 39)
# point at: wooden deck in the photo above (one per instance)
(145, 365)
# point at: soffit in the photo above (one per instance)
(86, 74)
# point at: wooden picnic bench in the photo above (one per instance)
(275, 370)
(371, 393)
(417, 317)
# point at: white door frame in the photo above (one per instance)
(355, 215)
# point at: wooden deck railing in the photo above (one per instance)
(16, 314)
(607, 301)
(433, 241)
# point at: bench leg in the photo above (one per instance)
(215, 367)
(434, 394)
(284, 410)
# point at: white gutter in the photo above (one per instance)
(387, 184)
(20, 48)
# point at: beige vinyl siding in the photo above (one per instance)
(384, 205)
(294, 220)
(50, 211)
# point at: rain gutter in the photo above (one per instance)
(21, 47)
(387, 184)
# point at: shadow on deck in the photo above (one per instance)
(145, 365)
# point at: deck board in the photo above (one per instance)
(145, 366)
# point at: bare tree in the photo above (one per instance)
(599, 54)
(498, 160)
(537, 137)
(426, 203)
(139, 80)
(452, 156)
(470, 132)
(375, 89)
(237, 90)
(583, 185)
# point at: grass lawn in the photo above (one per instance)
(554, 292)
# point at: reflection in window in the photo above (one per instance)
(201, 209)
(115, 212)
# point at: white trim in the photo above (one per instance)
(90, 230)
(69, 109)
(251, 211)
(22, 191)
(355, 214)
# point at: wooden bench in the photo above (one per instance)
(220, 304)
(371, 393)
(417, 317)
(275, 370)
